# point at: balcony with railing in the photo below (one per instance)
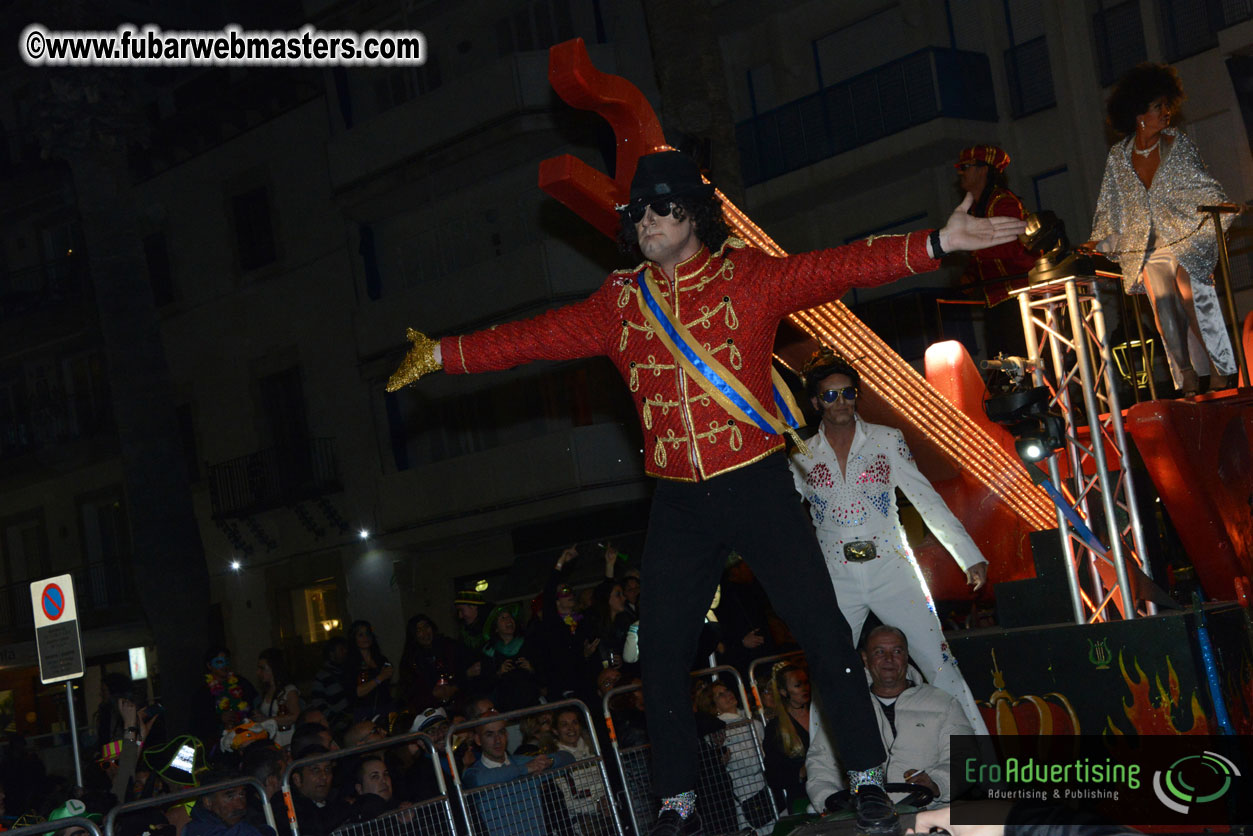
(274, 478)
(49, 421)
(104, 595)
(55, 285)
(929, 84)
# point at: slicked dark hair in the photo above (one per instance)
(706, 215)
(1138, 88)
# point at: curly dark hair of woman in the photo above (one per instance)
(1138, 88)
(706, 215)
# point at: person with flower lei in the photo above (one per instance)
(227, 697)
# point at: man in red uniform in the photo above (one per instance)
(691, 330)
(981, 174)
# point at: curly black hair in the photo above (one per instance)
(1138, 88)
(706, 215)
(817, 374)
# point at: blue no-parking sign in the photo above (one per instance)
(57, 637)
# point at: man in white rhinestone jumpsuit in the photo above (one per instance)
(849, 480)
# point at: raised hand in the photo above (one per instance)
(566, 556)
(966, 232)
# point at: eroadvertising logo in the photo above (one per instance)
(1130, 780)
(1032, 779)
(1194, 780)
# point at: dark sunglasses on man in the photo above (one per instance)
(635, 210)
(829, 396)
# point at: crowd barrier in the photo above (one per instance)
(731, 789)
(60, 824)
(168, 800)
(768, 662)
(429, 817)
(577, 799)
(571, 800)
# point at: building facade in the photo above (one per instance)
(294, 222)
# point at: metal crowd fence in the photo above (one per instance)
(731, 792)
(168, 800)
(768, 662)
(73, 823)
(571, 800)
(428, 817)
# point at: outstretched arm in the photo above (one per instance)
(966, 232)
(566, 333)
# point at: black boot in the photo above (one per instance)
(876, 815)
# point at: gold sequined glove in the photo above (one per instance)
(419, 361)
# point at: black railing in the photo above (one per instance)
(273, 478)
(57, 283)
(922, 86)
(50, 419)
(103, 588)
(1119, 35)
(15, 607)
(1191, 26)
(1030, 77)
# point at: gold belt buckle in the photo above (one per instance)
(859, 551)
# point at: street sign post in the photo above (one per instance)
(57, 637)
(59, 643)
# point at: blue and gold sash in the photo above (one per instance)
(711, 375)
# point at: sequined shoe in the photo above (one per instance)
(670, 823)
(876, 815)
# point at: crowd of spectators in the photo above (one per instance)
(569, 643)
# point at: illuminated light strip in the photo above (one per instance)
(910, 395)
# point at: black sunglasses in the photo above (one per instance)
(635, 211)
(849, 393)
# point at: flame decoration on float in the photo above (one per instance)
(1149, 715)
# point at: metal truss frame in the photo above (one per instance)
(1064, 316)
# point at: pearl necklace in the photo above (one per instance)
(1148, 150)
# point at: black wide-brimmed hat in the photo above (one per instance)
(667, 174)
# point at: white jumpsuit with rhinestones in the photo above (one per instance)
(860, 504)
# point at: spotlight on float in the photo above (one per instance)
(236, 565)
(1038, 432)
(1032, 448)
(363, 533)
(1045, 238)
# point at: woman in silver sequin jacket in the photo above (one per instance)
(1146, 219)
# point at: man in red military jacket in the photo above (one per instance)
(691, 330)
(981, 173)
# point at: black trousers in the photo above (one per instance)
(756, 511)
